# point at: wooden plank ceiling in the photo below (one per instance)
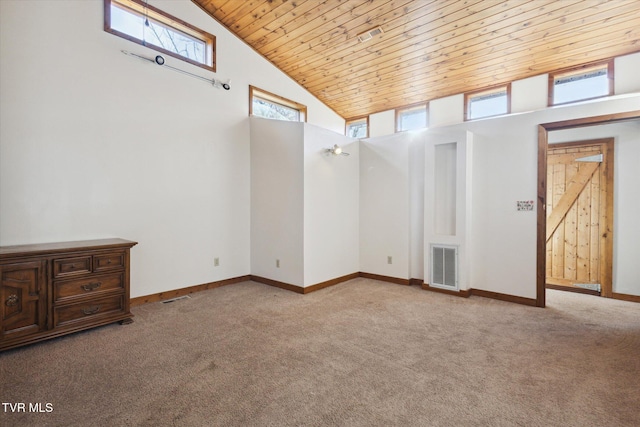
(429, 48)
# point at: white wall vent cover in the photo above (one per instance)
(444, 267)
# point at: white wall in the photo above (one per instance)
(626, 227)
(383, 123)
(530, 94)
(331, 206)
(95, 143)
(626, 69)
(384, 205)
(496, 167)
(446, 111)
(304, 203)
(503, 240)
(496, 243)
(277, 200)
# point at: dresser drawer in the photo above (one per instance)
(106, 262)
(87, 286)
(71, 266)
(88, 311)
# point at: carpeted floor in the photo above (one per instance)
(362, 353)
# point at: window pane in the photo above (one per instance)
(357, 130)
(490, 104)
(158, 34)
(271, 110)
(176, 42)
(127, 22)
(415, 118)
(580, 86)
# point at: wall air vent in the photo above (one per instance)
(368, 35)
(444, 267)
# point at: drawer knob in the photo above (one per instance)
(91, 286)
(91, 310)
(109, 261)
(12, 300)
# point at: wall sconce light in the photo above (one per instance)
(336, 151)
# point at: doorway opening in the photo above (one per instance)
(543, 147)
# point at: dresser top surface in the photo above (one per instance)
(57, 247)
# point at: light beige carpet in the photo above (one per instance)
(362, 353)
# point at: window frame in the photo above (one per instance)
(178, 25)
(608, 64)
(474, 94)
(276, 99)
(356, 120)
(399, 111)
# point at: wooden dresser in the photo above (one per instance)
(53, 289)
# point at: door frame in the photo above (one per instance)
(543, 143)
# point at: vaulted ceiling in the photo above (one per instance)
(428, 49)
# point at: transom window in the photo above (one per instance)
(579, 84)
(357, 128)
(411, 118)
(270, 106)
(487, 103)
(143, 24)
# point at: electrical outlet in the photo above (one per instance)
(216, 262)
(389, 259)
(277, 263)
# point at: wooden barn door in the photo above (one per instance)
(580, 216)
